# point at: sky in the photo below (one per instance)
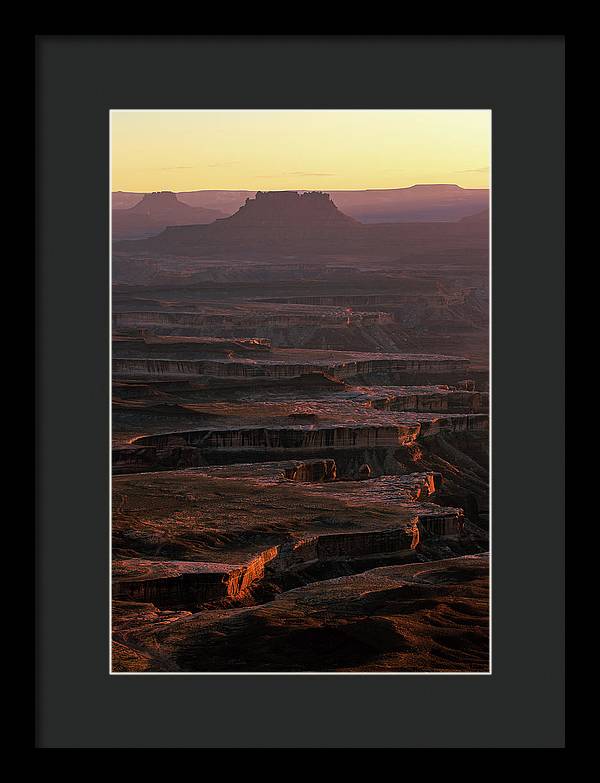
(298, 150)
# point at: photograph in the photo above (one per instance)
(300, 378)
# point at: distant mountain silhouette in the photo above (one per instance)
(418, 203)
(287, 224)
(154, 213)
(290, 209)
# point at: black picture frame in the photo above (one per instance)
(78, 80)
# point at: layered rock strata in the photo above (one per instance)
(422, 617)
(300, 541)
(345, 367)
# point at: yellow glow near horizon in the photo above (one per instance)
(298, 150)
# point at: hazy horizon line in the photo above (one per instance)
(291, 190)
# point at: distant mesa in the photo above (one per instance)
(154, 212)
(442, 186)
(307, 225)
(272, 222)
(158, 202)
(417, 203)
(290, 208)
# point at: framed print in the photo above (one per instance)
(288, 316)
(300, 383)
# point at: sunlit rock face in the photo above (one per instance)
(315, 470)
(403, 617)
(254, 551)
(216, 559)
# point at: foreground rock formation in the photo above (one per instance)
(425, 617)
(300, 449)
